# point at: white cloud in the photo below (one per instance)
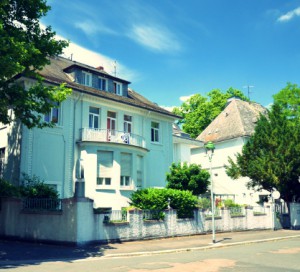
(168, 108)
(155, 38)
(91, 28)
(185, 98)
(95, 59)
(289, 15)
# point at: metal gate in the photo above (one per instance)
(282, 218)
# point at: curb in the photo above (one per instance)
(145, 253)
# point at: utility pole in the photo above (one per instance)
(248, 90)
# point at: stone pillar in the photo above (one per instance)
(79, 188)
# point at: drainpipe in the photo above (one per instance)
(73, 136)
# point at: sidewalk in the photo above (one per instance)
(13, 252)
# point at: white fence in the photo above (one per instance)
(77, 223)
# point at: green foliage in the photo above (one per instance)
(271, 157)
(188, 177)
(199, 111)
(204, 203)
(289, 99)
(7, 189)
(182, 201)
(25, 48)
(150, 199)
(158, 199)
(34, 187)
(229, 203)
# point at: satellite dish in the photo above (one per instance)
(276, 195)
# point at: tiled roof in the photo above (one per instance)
(55, 74)
(238, 119)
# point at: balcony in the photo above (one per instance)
(111, 136)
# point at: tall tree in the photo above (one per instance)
(289, 99)
(188, 177)
(26, 48)
(271, 157)
(199, 111)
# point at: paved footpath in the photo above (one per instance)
(22, 252)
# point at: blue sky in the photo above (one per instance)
(171, 49)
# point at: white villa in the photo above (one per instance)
(106, 134)
(229, 131)
(115, 141)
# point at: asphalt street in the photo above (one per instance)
(278, 255)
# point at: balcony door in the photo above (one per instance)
(111, 124)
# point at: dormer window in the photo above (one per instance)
(117, 88)
(102, 83)
(87, 79)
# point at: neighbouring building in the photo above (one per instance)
(106, 133)
(229, 131)
(182, 145)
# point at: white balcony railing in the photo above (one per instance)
(112, 136)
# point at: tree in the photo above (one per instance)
(159, 199)
(25, 48)
(199, 111)
(188, 177)
(271, 157)
(289, 99)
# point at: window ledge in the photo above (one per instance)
(127, 188)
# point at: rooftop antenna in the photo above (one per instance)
(248, 90)
(115, 68)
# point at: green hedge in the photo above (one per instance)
(33, 187)
(159, 199)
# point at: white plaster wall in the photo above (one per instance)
(182, 153)
(222, 183)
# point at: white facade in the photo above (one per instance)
(115, 144)
(224, 186)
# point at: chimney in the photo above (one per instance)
(100, 68)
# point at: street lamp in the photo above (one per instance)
(209, 149)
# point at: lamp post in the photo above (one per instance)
(210, 148)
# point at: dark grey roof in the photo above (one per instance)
(55, 74)
(238, 119)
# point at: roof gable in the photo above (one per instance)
(55, 73)
(238, 119)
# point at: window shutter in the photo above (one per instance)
(139, 169)
(105, 163)
(126, 162)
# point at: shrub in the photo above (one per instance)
(7, 189)
(204, 203)
(150, 199)
(182, 201)
(188, 177)
(34, 187)
(159, 199)
(229, 203)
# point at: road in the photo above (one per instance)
(282, 255)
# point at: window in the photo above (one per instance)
(103, 181)
(53, 115)
(86, 79)
(117, 88)
(111, 124)
(127, 123)
(94, 117)
(139, 172)
(105, 167)
(126, 165)
(154, 132)
(102, 83)
(2, 161)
